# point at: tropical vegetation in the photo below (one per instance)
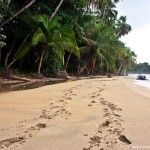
(79, 36)
(140, 68)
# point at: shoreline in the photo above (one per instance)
(143, 83)
(8, 85)
(90, 114)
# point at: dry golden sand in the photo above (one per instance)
(95, 114)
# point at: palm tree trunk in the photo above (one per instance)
(79, 66)
(56, 10)
(8, 54)
(88, 5)
(0, 55)
(11, 64)
(120, 69)
(93, 63)
(68, 60)
(82, 69)
(18, 12)
(40, 62)
(42, 56)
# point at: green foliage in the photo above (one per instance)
(2, 38)
(38, 37)
(51, 35)
(122, 28)
(53, 64)
(84, 35)
(3, 11)
(140, 68)
(24, 48)
(3, 8)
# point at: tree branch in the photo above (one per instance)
(18, 13)
(56, 10)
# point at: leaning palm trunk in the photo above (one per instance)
(18, 12)
(120, 69)
(56, 9)
(68, 60)
(15, 15)
(8, 54)
(14, 60)
(43, 52)
(82, 69)
(40, 62)
(0, 55)
(93, 65)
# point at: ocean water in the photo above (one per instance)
(144, 83)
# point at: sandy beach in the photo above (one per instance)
(93, 114)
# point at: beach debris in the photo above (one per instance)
(95, 140)
(123, 138)
(62, 75)
(109, 75)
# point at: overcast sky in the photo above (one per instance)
(138, 15)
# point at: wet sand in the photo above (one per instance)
(95, 114)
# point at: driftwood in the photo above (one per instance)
(62, 75)
(109, 75)
(10, 74)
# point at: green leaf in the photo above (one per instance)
(38, 37)
(23, 49)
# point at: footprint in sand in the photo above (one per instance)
(123, 138)
(85, 135)
(54, 107)
(98, 95)
(117, 115)
(93, 101)
(61, 100)
(9, 142)
(73, 94)
(30, 135)
(106, 123)
(105, 110)
(113, 107)
(41, 125)
(93, 96)
(68, 98)
(108, 132)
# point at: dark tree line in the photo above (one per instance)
(140, 68)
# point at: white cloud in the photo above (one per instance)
(139, 41)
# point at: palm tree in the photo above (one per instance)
(126, 59)
(28, 5)
(122, 28)
(98, 4)
(51, 36)
(100, 46)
